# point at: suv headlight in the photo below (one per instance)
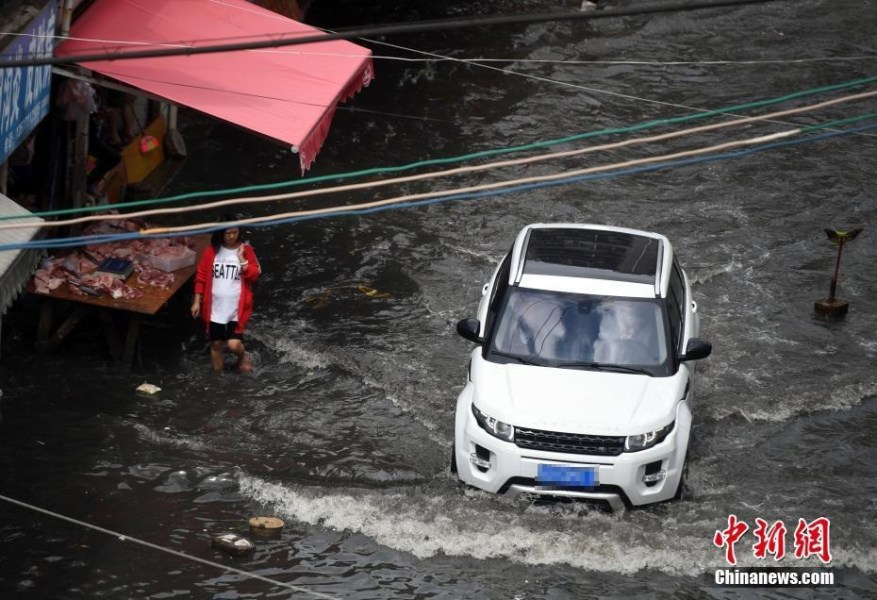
(635, 443)
(497, 429)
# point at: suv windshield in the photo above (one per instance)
(563, 329)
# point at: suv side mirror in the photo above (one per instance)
(696, 349)
(468, 329)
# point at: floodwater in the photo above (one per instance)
(345, 429)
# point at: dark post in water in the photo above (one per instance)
(832, 307)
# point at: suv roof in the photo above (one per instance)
(591, 259)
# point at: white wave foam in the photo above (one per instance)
(167, 439)
(429, 525)
(432, 525)
(796, 402)
(699, 276)
(483, 255)
(863, 559)
(869, 346)
(291, 351)
(297, 354)
(411, 409)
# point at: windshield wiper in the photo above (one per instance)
(604, 367)
(518, 358)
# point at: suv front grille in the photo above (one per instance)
(569, 443)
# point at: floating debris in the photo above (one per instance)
(148, 388)
(233, 544)
(321, 299)
(266, 526)
(372, 293)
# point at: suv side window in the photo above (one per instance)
(676, 304)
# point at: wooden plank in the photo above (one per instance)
(45, 326)
(111, 333)
(131, 339)
(66, 328)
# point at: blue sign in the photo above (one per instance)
(24, 91)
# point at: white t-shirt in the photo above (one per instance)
(226, 286)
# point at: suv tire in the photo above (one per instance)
(681, 488)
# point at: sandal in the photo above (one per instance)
(245, 365)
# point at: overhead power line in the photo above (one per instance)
(477, 60)
(521, 183)
(645, 125)
(465, 169)
(644, 165)
(382, 170)
(275, 41)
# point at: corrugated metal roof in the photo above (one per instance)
(16, 266)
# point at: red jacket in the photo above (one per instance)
(204, 285)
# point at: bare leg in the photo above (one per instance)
(216, 348)
(237, 348)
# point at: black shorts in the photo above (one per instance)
(222, 333)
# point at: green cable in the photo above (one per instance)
(455, 159)
(839, 122)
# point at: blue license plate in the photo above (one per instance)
(566, 476)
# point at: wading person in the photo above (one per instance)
(224, 294)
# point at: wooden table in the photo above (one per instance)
(149, 303)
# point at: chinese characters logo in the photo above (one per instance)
(810, 539)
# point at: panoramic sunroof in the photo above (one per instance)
(592, 253)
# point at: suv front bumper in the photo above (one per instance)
(497, 466)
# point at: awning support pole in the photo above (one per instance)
(66, 18)
(174, 145)
(80, 140)
(80, 158)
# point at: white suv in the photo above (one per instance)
(582, 383)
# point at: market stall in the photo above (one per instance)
(135, 277)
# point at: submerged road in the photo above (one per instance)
(345, 429)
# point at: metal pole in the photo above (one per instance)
(840, 250)
(66, 18)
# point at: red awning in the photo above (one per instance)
(286, 93)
